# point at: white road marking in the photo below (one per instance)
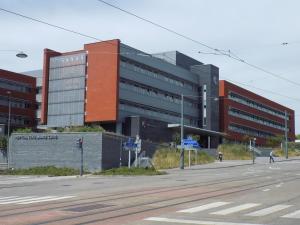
(1, 198)
(279, 185)
(15, 200)
(270, 210)
(266, 189)
(293, 215)
(30, 199)
(46, 200)
(204, 207)
(199, 222)
(236, 209)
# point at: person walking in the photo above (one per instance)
(220, 156)
(271, 157)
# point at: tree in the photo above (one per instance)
(298, 136)
(176, 138)
(274, 141)
(3, 142)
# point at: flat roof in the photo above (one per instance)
(196, 130)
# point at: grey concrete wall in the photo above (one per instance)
(57, 149)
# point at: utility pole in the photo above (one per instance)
(8, 127)
(285, 135)
(181, 137)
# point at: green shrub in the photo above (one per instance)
(23, 130)
(43, 170)
(125, 171)
(166, 158)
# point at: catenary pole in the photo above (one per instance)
(181, 137)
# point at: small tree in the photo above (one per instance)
(274, 141)
(176, 138)
(298, 136)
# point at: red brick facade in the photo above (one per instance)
(236, 114)
(21, 90)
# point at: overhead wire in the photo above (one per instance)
(125, 53)
(200, 43)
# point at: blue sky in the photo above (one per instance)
(253, 30)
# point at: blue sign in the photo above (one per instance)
(189, 143)
(130, 144)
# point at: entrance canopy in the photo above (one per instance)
(196, 130)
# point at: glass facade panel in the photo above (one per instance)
(66, 90)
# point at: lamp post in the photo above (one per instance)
(19, 54)
(253, 151)
(181, 162)
(8, 122)
(285, 136)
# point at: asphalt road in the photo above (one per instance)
(227, 193)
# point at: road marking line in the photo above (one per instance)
(46, 200)
(2, 198)
(24, 199)
(293, 215)
(267, 189)
(204, 207)
(199, 222)
(267, 211)
(236, 209)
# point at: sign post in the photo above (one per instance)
(79, 143)
(189, 144)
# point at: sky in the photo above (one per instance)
(254, 30)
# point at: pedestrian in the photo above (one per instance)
(220, 156)
(271, 156)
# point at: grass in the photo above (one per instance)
(46, 170)
(292, 152)
(234, 152)
(125, 171)
(166, 158)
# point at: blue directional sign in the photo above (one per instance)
(130, 144)
(190, 143)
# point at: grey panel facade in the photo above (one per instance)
(66, 90)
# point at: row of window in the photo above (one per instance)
(66, 108)
(15, 86)
(67, 72)
(14, 119)
(257, 119)
(144, 110)
(155, 93)
(249, 131)
(157, 74)
(67, 84)
(67, 60)
(256, 105)
(14, 103)
(66, 120)
(66, 96)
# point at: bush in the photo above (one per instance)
(82, 129)
(235, 152)
(125, 171)
(166, 158)
(47, 170)
(23, 130)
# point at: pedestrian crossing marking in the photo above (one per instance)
(293, 215)
(236, 209)
(47, 200)
(269, 210)
(30, 199)
(199, 222)
(204, 207)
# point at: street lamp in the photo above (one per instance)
(181, 165)
(8, 122)
(19, 54)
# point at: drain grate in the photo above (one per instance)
(87, 208)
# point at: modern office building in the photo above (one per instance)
(38, 74)
(17, 100)
(131, 92)
(246, 114)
